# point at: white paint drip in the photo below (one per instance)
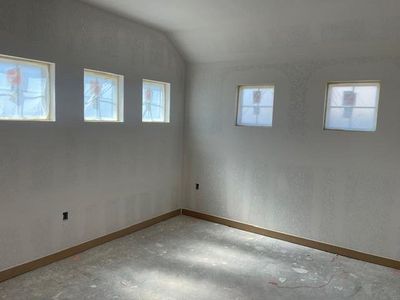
(124, 283)
(56, 296)
(300, 270)
(282, 280)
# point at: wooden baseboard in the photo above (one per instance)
(30, 266)
(387, 262)
(41, 262)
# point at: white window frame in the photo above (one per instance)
(238, 106)
(120, 96)
(167, 99)
(51, 116)
(330, 84)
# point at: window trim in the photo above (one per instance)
(167, 101)
(120, 95)
(263, 85)
(378, 83)
(51, 90)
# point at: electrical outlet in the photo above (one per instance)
(65, 216)
(197, 186)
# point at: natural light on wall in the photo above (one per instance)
(255, 105)
(352, 106)
(26, 90)
(103, 97)
(155, 103)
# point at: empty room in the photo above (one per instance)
(200, 149)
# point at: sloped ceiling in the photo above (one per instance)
(269, 30)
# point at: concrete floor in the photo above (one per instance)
(185, 258)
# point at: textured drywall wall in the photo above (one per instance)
(336, 187)
(108, 176)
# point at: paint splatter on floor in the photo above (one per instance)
(185, 258)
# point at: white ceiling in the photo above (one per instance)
(269, 30)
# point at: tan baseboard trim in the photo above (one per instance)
(30, 266)
(41, 262)
(387, 262)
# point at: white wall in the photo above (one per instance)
(336, 187)
(108, 176)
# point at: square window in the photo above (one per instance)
(155, 102)
(255, 106)
(26, 90)
(352, 106)
(103, 97)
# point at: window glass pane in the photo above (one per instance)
(352, 106)
(24, 90)
(155, 104)
(255, 107)
(102, 96)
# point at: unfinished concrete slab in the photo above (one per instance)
(186, 258)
